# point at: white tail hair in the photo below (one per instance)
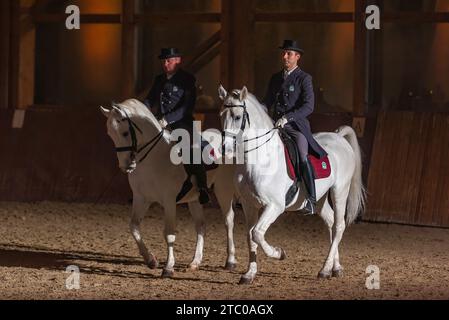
(357, 192)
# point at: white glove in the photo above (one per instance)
(281, 122)
(163, 123)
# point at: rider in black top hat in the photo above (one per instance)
(290, 99)
(172, 100)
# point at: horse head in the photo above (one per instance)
(123, 132)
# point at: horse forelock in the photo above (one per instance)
(256, 108)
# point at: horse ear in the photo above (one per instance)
(105, 111)
(243, 94)
(118, 111)
(222, 92)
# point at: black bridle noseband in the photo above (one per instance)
(133, 148)
(234, 136)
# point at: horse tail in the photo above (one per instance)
(357, 192)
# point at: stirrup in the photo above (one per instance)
(310, 208)
(204, 196)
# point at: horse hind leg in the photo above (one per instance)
(332, 265)
(327, 214)
(140, 206)
(196, 210)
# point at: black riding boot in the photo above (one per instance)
(201, 181)
(309, 181)
(199, 172)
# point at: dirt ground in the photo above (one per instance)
(38, 241)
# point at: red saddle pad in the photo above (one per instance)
(321, 166)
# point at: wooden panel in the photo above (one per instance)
(304, 17)
(14, 54)
(84, 18)
(27, 58)
(226, 65)
(415, 17)
(178, 18)
(409, 173)
(237, 44)
(359, 87)
(4, 52)
(69, 160)
(129, 49)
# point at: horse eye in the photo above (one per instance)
(126, 134)
(237, 118)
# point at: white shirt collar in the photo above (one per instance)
(287, 73)
(170, 76)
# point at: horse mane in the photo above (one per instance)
(137, 109)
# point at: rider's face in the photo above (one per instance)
(290, 59)
(170, 65)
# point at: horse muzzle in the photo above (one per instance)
(130, 167)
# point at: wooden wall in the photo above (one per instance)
(59, 155)
(409, 171)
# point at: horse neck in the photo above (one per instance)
(261, 124)
(258, 123)
(149, 131)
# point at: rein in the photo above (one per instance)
(234, 136)
(133, 147)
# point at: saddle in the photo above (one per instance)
(321, 166)
(210, 165)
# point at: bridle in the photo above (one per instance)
(133, 148)
(234, 136)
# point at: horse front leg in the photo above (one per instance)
(140, 206)
(196, 210)
(251, 215)
(269, 215)
(170, 237)
(225, 194)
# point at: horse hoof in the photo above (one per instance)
(283, 255)
(324, 275)
(167, 274)
(193, 267)
(230, 266)
(153, 264)
(245, 280)
(337, 273)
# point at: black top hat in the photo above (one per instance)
(291, 45)
(169, 53)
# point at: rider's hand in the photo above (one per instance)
(163, 123)
(281, 122)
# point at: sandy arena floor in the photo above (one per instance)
(38, 241)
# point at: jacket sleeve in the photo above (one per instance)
(306, 102)
(269, 98)
(186, 104)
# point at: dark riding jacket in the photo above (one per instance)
(293, 98)
(174, 98)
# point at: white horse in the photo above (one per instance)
(143, 151)
(262, 181)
